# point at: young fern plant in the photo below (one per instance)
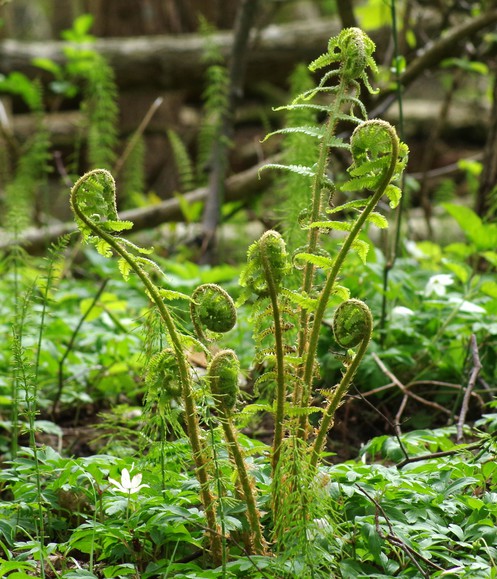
(286, 322)
(93, 201)
(377, 158)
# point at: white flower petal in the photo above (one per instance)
(465, 306)
(125, 481)
(136, 480)
(437, 284)
(402, 312)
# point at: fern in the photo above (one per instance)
(133, 181)
(100, 108)
(182, 161)
(286, 322)
(32, 167)
(215, 99)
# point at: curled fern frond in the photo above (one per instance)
(163, 374)
(353, 50)
(94, 196)
(373, 143)
(352, 323)
(212, 309)
(266, 257)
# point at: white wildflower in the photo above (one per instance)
(402, 312)
(128, 486)
(437, 284)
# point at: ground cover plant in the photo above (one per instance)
(176, 489)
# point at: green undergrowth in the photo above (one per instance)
(434, 517)
(162, 419)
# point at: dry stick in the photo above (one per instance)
(136, 135)
(398, 416)
(388, 421)
(392, 538)
(407, 392)
(469, 388)
(427, 383)
(443, 453)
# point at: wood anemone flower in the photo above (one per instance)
(128, 486)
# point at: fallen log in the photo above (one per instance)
(176, 61)
(238, 187)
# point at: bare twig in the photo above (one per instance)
(444, 47)
(154, 107)
(406, 391)
(469, 388)
(392, 538)
(398, 416)
(441, 454)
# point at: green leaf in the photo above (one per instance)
(174, 295)
(378, 220)
(298, 169)
(462, 271)
(467, 220)
(373, 540)
(394, 194)
(489, 288)
(362, 249)
(314, 132)
(491, 257)
(103, 247)
(48, 65)
(331, 225)
(116, 226)
(79, 574)
(300, 298)
(317, 260)
(356, 204)
(341, 291)
(124, 268)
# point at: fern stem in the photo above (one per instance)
(340, 391)
(187, 394)
(314, 232)
(337, 265)
(279, 354)
(256, 538)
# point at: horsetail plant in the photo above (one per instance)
(286, 321)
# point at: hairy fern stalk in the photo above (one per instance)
(286, 319)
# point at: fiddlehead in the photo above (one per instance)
(223, 373)
(352, 326)
(222, 376)
(212, 309)
(267, 265)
